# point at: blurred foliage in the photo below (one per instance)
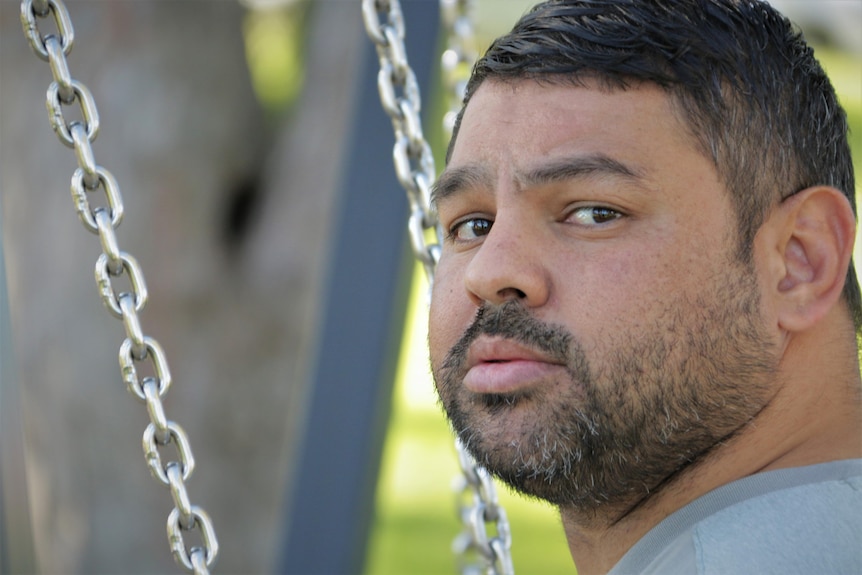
(845, 71)
(274, 42)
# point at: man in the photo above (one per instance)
(645, 311)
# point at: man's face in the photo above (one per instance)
(592, 331)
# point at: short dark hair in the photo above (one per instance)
(747, 84)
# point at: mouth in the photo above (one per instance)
(503, 366)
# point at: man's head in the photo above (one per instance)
(597, 323)
(746, 84)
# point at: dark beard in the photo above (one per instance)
(611, 438)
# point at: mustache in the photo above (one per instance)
(513, 321)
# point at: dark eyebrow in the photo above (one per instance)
(578, 167)
(455, 179)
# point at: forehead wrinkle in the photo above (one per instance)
(575, 167)
(459, 179)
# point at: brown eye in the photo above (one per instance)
(471, 229)
(594, 215)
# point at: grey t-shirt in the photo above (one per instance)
(802, 520)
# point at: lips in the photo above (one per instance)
(499, 366)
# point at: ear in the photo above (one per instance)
(812, 235)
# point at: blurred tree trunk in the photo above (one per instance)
(231, 232)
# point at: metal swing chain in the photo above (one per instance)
(113, 263)
(399, 95)
(459, 56)
(478, 506)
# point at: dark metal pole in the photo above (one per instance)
(335, 475)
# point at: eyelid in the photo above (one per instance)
(456, 209)
(452, 229)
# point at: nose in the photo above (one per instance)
(508, 266)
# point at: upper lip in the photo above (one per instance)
(486, 349)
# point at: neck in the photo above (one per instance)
(814, 416)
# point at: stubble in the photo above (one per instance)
(620, 427)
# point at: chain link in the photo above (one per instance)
(459, 56)
(399, 96)
(478, 506)
(112, 263)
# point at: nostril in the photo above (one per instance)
(502, 270)
(512, 293)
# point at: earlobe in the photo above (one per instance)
(814, 231)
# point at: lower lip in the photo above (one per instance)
(508, 376)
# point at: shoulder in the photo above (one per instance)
(812, 528)
(793, 521)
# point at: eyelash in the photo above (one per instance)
(604, 213)
(453, 231)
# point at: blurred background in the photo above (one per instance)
(255, 165)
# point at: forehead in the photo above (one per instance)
(513, 121)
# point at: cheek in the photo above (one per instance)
(450, 313)
(624, 289)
